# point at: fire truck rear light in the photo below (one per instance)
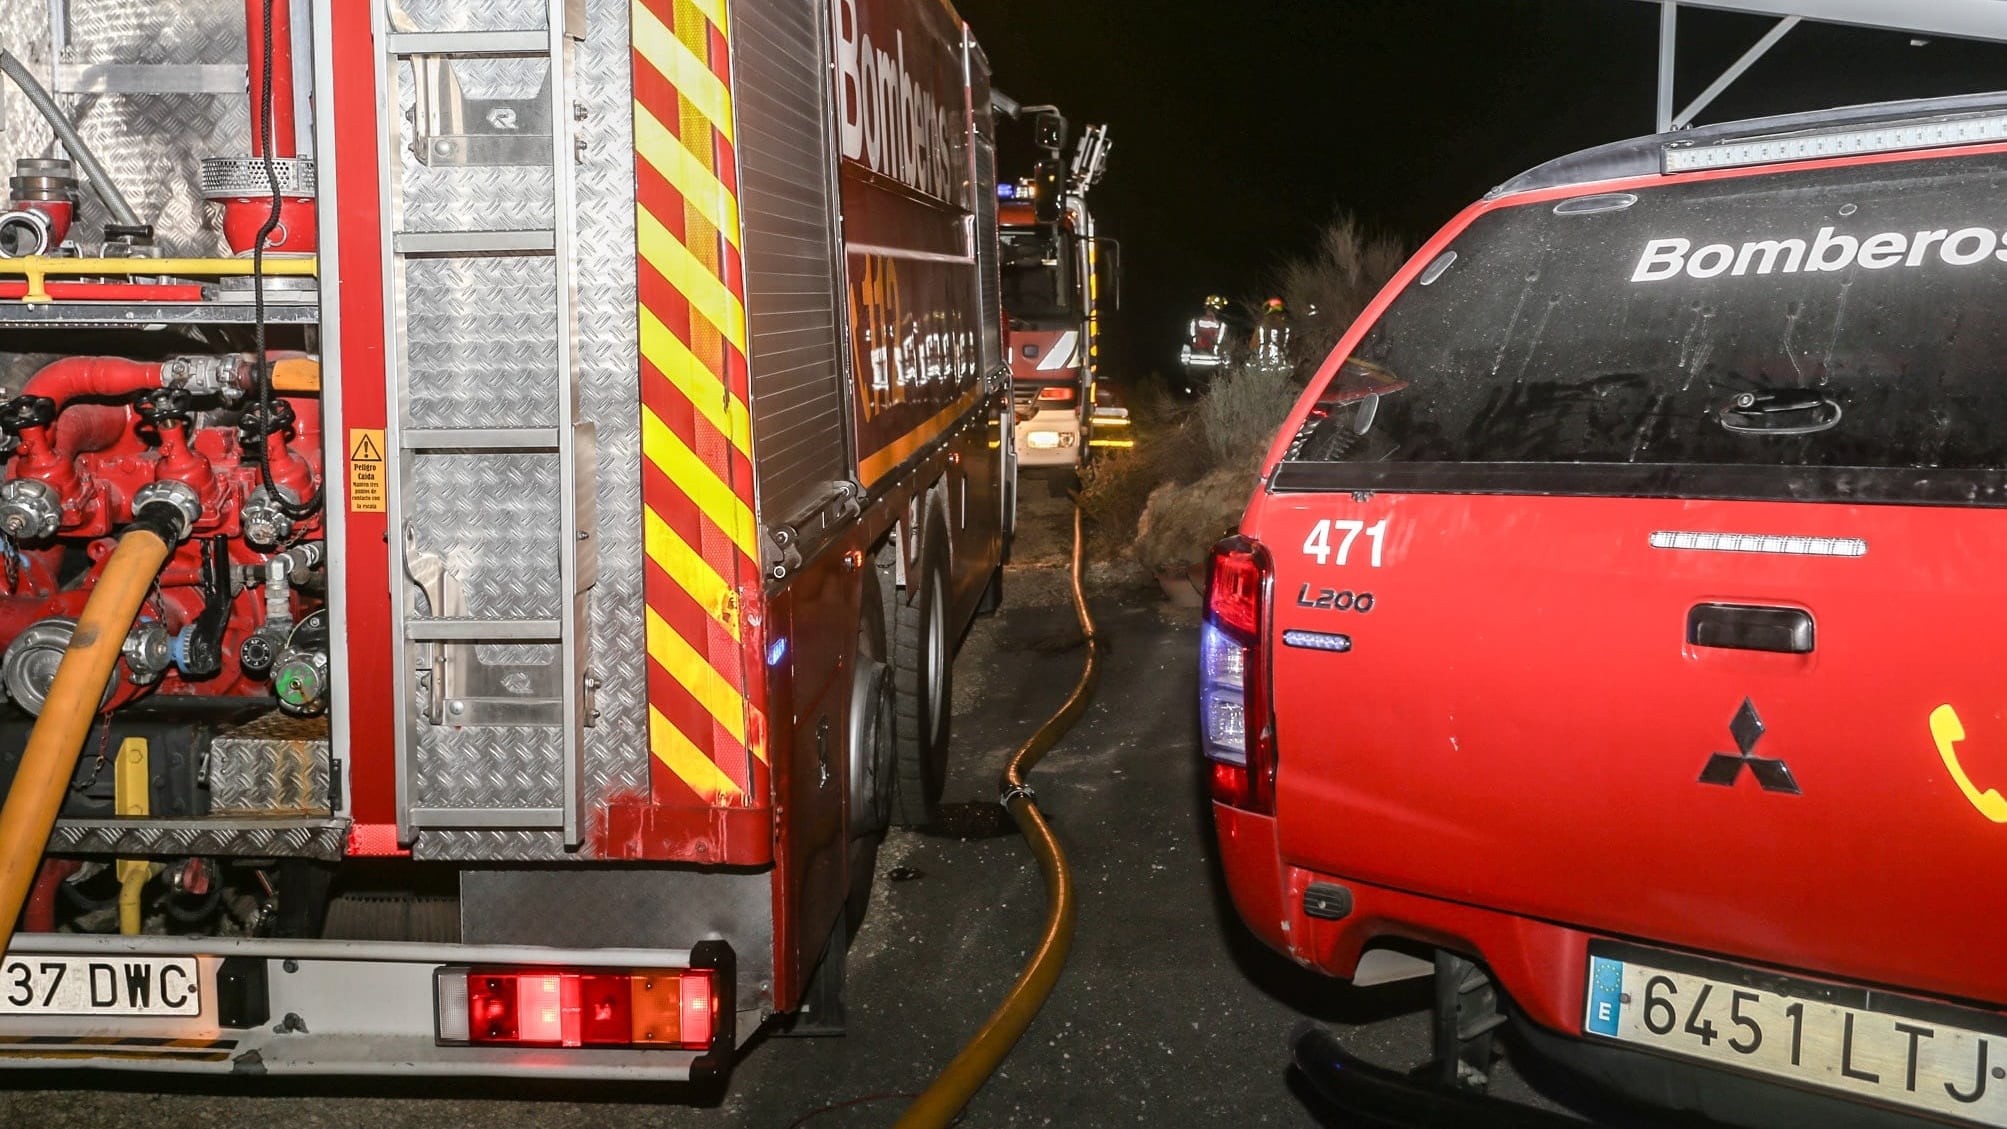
(1056, 394)
(528, 1007)
(698, 1009)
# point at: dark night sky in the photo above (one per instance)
(1238, 127)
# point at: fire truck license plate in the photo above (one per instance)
(1945, 1064)
(39, 985)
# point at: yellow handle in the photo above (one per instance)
(1947, 731)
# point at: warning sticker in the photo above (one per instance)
(365, 470)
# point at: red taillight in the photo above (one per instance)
(1235, 725)
(1057, 394)
(674, 1008)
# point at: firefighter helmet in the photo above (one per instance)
(1273, 305)
(1215, 302)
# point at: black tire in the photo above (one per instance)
(922, 682)
(872, 774)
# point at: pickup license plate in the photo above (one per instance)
(1944, 1065)
(52, 985)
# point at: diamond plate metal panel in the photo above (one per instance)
(151, 144)
(482, 334)
(465, 768)
(443, 198)
(492, 516)
(514, 768)
(492, 846)
(322, 839)
(276, 765)
(461, 15)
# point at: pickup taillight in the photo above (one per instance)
(1235, 724)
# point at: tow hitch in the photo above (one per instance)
(1371, 1095)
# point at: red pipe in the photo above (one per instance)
(40, 914)
(92, 427)
(283, 139)
(109, 291)
(108, 377)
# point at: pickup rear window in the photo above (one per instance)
(1761, 335)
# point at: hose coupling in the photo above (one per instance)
(1018, 792)
(29, 509)
(264, 519)
(168, 508)
(224, 376)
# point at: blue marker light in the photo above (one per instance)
(776, 651)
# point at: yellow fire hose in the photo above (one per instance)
(958, 1083)
(51, 756)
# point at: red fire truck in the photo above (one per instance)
(1616, 624)
(1058, 281)
(526, 467)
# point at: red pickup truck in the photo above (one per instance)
(1619, 621)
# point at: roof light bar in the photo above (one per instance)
(1815, 145)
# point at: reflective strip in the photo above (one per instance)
(698, 522)
(892, 454)
(692, 572)
(687, 273)
(686, 172)
(687, 761)
(1062, 353)
(695, 380)
(695, 673)
(691, 76)
(696, 479)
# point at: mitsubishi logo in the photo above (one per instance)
(1726, 768)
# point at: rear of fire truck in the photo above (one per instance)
(414, 469)
(1054, 268)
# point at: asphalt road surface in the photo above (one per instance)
(1167, 1015)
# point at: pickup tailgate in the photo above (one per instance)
(1598, 711)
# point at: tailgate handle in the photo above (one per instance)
(1747, 627)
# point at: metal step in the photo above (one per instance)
(528, 242)
(526, 439)
(483, 631)
(471, 43)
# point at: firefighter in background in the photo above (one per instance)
(1271, 333)
(1205, 343)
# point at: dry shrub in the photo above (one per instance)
(1243, 410)
(1182, 521)
(1349, 265)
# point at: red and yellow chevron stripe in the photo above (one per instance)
(705, 715)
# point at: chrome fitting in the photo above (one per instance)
(265, 523)
(227, 376)
(146, 652)
(180, 495)
(25, 233)
(29, 509)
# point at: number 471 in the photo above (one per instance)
(1318, 544)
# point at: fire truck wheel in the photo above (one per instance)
(873, 757)
(921, 673)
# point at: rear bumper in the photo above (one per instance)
(1053, 438)
(1541, 968)
(332, 1008)
(1539, 964)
